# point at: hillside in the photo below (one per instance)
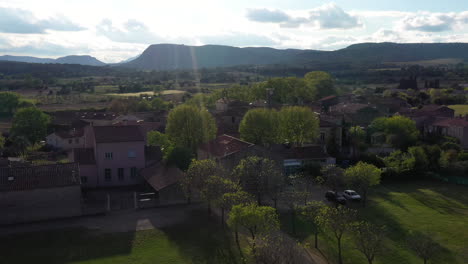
(169, 56)
(72, 59)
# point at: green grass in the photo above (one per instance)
(145, 93)
(199, 240)
(460, 109)
(438, 208)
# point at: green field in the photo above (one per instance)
(145, 93)
(200, 240)
(460, 109)
(438, 208)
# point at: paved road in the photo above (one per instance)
(117, 221)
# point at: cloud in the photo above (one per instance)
(266, 15)
(238, 39)
(433, 22)
(132, 31)
(328, 16)
(20, 21)
(331, 16)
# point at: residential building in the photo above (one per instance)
(35, 193)
(66, 139)
(428, 114)
(112, 156)
(453, 127)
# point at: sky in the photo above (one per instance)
(115, 30)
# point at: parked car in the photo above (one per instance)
(336, 197)
(351, 195)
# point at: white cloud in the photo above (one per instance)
(20, 21)
(238, 39)
(433, 22)
(132, 31)
(328, 16)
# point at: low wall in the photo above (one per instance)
(40, 204)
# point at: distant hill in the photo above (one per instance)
(72, 59)
(171, 56)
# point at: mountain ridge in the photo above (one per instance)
(71, 59)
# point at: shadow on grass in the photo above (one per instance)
(202, 239)
(63, 246)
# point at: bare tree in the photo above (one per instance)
(423, 246)
(368, 239)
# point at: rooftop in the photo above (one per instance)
(34, 177)
(225, 145)
(111, 134)
(452, 122)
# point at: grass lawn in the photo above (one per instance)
(199, 240)
(459, 109)
(435, 207)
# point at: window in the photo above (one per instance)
(70, 141)
(120, 173)
(131, 154)
(107, 174)
(322, 136)
(108, 155)
(133, 172)
(84, 179)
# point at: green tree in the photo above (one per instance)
(297, 125)
(196, 176)
(321, 82)
(258, 176)
(421, 162)
(423, 245)
(214, 189)
(310, 213)
(400, 131)
(188, 126)
(156, 138)
(293, 200)
(30, 123)
(368, 239)
(230, 199)
(400, 162)
(362, 176)
(332, 177)
(357, 136)
(2, 142)
(260, 126)
(259, 221)
(339, 221)
(9, 102)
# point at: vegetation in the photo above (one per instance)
(297, 125)
(361, 177)
(189, 126)
(259, 126)
(30, 123)
(400, 131)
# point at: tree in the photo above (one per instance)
(423, 246)
(421, 162)
(230, 199)
(8, 102)
(156, 138)
(297, 125)
(214, 188)
(258, 176)
(368, 239)
(400, 162)
(196, 176)
(293, 199)
(188, 126)
(321, 82)
(260, 126)
(333, 177)
(362, 176)
(259, 221)
(310, 213)
(30, 123)
(400, 131)
(339, 221)
(357, 136)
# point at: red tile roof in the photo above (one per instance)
(160, 176)
(452, 122)
(327, 98)
(225, 145)
(111, 134)
(34, 177)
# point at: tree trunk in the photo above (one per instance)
(254, 246)
(316, 240)
(238, 245)
(370, 261)
(340, 259)
(425, 261)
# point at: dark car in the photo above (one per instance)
(335, 197)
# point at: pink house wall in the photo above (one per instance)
(120, 159)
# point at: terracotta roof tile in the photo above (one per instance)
(225, 145)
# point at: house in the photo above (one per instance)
(35, 193)
(327, 102)
(355, 113)
(165, 181)
(295, 158)
(453, 127)
(66, 139)
(329, 130)
(112, 156)
(428, 114)
(226, 150)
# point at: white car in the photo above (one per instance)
(351, 195)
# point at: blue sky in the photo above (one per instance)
(114, 30)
